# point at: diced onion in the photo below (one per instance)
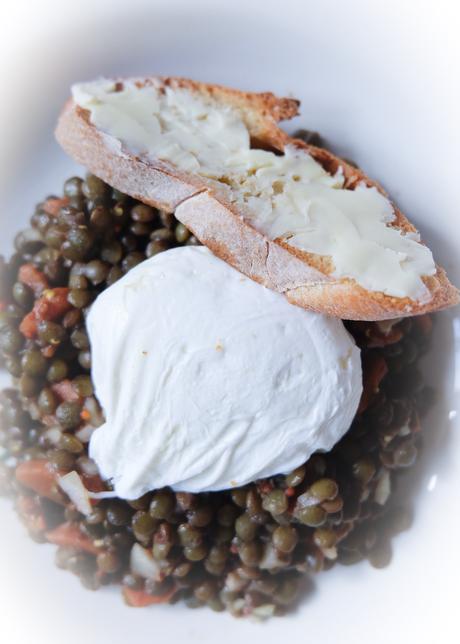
(385, 326)
(234, 583)
(271, 559)
(143, 564)
(72, 485)
(105, 494)
(330, 553)
(264, 611)
(383, 488)
(53, 435)
(87, 466)
(85, 433)
(96, 416)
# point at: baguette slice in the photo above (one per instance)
(303, 277)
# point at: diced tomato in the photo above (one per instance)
(49, 350)
(65, 391)
(374, 370)
(139, 598)
(38, 476)
(28, 326)
(53, 206)
(265, 487)
(33, 278)
(93, 483)
(50, 306)
(69, 535)
(31, 513)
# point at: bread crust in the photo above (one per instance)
(303, 277)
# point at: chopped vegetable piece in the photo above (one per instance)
(50, 306)
(37, 475)
(139, 598)
(52, 206)
(69, 535)
(33, 278)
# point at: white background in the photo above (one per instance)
(381, 80)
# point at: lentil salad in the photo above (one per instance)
(244, 550)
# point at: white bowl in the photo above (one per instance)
(380, 82)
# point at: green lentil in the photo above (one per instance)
(285, 538)
(83, 386)
(57, 371)
(94, 188)
(162, 234)
(79, 298)
(79, 338)
(68, 414)
(250, 553)
(84, 359)
(118, 513)
(205, 591)
(132, 260)
(324, 538)
(155, 247)
(10, 339)
(188, 535)
(112, 252)
(364, 469)
(312, 516)
(100, 218)
(296, 477)
(182, 233)
(239, 497)
(245, 528)
(143, 525)
(114, 275)
(23, 295)
(71, 444)
(108, 562)
(97, 271)
(162, 504)
(62, 460)
(28, 385)
(139, 229)
(96, 517)
(275, 502)
(201, 516)
(73, 187)
(143, 213)
(50, 332)
(33, 363)
(47, 401)
(195, 553)
(78, 243)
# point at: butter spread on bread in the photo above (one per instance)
(337, 243)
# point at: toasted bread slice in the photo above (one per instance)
(305, 278)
